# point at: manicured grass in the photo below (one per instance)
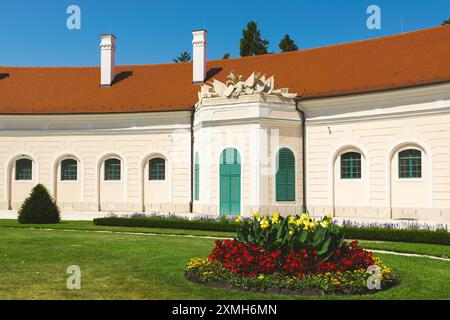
(425, 249)
(89, 225)
(437, 250)
(115, 266)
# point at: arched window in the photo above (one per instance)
(112, 170)
(285, 177)
(351, 165)
(157, 170)
(410, 164)
(24, 170)
(197, 177)
(69, 170)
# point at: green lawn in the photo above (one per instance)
(426, 249)
(89, 225)
(117, 266)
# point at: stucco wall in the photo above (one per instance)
(258, 129)
(133, 144)
(379, 126)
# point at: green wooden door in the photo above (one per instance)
(230, 182)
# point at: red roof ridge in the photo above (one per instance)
(415, 58)
(269, 55)
(345, 44)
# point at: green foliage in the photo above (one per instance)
(167, 223)
(402, 235)
(183, 57)
(292, 233)
(287, 44)
(252, 44)
(226, 56)
(39, 208)
(213, 273)
(446, 22)
(379, 234)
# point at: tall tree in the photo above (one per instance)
(446, 22)
(252, 44)
(226, 56)
(183, 57)
(287, 44)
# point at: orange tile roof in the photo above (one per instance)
(415, 58)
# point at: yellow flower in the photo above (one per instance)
(325, 224)
(328, 217)
(264, 224)
(291, 233)
(299, 222)
(238, 219)
(335, 282)
(305, 217)
(291, 220)
(257, 215)
(276, 218)
(261, 277)
(310, 226)
(196, 263)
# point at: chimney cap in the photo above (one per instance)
(200, 31)
(108, 35)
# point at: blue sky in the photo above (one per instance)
(34, 32)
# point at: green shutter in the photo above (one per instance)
(230, 182)
(224, 193)
(285, 176)
(197, 178)
(235, 194)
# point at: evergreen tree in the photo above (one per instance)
(39, 208)
(226, 56)
(446, 22)
(287, 44)
(251, 43)
(183, 57)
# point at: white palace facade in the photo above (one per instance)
(358, 130)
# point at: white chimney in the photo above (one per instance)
(108, 53)
(199, 55)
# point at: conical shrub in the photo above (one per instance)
(39, 208)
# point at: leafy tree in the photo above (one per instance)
(226, 56)
(287, 44)
(446, 22)
(251, 43)
(39, 208)
(183, 57)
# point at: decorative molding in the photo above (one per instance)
(235, 86)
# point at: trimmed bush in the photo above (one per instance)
(39, 208)
(169, 223)
(380, 234)
(398, 235)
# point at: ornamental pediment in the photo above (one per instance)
(236, 86)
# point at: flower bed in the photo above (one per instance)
(291, 255)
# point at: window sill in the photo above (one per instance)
(23, 181)
(410, 179)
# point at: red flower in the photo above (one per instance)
(247, 260)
